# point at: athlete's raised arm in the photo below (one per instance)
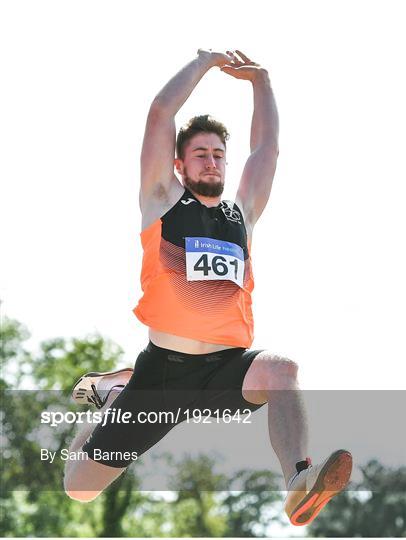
(158, 150)
(256, 181)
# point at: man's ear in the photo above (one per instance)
(178, 163)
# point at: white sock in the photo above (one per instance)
(295, 476)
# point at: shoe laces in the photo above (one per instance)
(97, 400)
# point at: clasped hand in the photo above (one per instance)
(234, 63)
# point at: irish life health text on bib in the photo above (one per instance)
(208, 259)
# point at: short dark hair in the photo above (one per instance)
(199, 124)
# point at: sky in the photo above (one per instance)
(328, 253)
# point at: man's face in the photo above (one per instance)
(203, 168)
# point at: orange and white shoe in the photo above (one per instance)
(312, 488)
(95, 387)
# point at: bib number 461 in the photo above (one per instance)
(210, 259)
(219, 265)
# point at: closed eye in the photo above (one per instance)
(217, 157)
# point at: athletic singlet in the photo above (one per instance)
(196, 274)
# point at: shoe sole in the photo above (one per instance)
(80, 391)
(332, 479)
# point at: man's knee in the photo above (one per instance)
(268, 372)
(279, 367)
(75, 487)
(82, 496)
(84, 480)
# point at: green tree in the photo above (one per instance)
(195, 510)
(33, 502)
(250, 511)
(32, 498)
(376, 507)
(209, 504)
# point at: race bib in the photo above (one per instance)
(208, 259)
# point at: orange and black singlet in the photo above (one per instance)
(196, 274)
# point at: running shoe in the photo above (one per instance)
(88, 389)
(312, 488)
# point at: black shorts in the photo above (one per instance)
(167, 388)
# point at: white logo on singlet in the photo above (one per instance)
(230, 213)
(188, 201)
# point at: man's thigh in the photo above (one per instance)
(135, 421)
(224, 391)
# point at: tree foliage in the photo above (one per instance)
(32, 496)
(203, 502)
(375, 507)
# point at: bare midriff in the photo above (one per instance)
(185, 345)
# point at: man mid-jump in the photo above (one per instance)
(197, 282)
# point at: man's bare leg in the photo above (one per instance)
(274, 379)
(84, 479)
(288, 427)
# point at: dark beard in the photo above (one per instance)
(203, 188)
